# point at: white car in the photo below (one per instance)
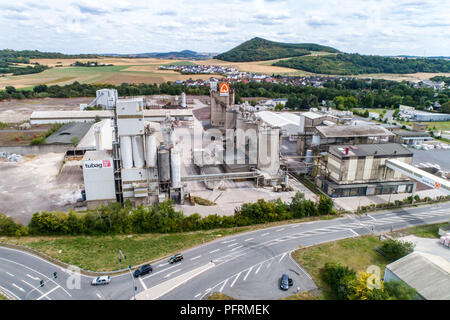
(101, 280)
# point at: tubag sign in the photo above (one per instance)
(97, 164)
(224, 89)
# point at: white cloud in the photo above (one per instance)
(109, 26)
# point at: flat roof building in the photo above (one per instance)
(360, 170)
(428, 274)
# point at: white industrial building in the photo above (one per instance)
(288, 122)
(410, 113)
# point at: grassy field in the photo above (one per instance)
(356, 253)
(219, 296)
(429, 231)
(3, 297)
(99, 253)
(439, 125)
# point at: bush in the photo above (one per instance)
(398, 290)
(8, 227)
(338, 277)
(396, 249)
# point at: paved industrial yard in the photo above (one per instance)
(33, 184)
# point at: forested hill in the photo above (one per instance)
(25, 55)
(258, 49)
(350, 64)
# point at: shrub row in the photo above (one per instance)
(163, 218)
(349, 285)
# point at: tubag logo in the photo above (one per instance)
(97, 164)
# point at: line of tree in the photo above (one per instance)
(20, 70)
(348, 64)
(161, 218)
(360, 93)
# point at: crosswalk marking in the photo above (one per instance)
(235, 279)
(249, 270)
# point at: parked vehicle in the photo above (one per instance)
(176, 258)
(101, 280)
(146, 268)
(284, 282)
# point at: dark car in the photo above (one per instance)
(176, 258)
(286, 282)
(146, 268)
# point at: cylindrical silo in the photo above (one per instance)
(138, 152)
(164, 165)
(151, 152)
(98, 137)
(126, 152)
(176, 168)
(302, 124)
(308, 156)
(316, 140)
(183, 100)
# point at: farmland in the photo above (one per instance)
(145, 70)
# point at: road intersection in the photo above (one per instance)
(244, 266)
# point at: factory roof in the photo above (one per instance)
(288, 122)
(105, 114)
(69, 131)
(363, 150)
(312, 115)
(96, 155)
(412, 134)
(88, 141)
(353, 131)
(428, 274)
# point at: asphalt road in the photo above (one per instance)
(244, 266)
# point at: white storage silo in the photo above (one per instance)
(302, 124)
(126, 152)
(151, 150)
(176, 168)
(138, 152)
(98, 137)
(316, 140)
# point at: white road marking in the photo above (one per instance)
(265, 234)
(371, 217)
(356, 233)
(231, 245)
(153, 274)
(15, 285)
(214, 251)
(249, 270)
(10, 293)
(236, 248)
(10, 274)
(34, 278)
(228, 241)
(46, 294)
(99, 295)
(30, 285)
(257, 270)
(249, 239)
(223, 286)
(168, 275)
(279, 230)
(268, 265)
(194, 258)
(197, 295)
(163, 264)
(24, 266)
(142, 283)
(234, 281)
(284, 255)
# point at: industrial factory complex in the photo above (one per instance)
(131, 149)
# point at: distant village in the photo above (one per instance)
(233, 75)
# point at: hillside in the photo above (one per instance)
(258, 49)
(346, 64)
(184, 55)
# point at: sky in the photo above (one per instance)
(381, 27)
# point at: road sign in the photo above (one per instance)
(299, 246)
(224, 89)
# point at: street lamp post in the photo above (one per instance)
(134, 284)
